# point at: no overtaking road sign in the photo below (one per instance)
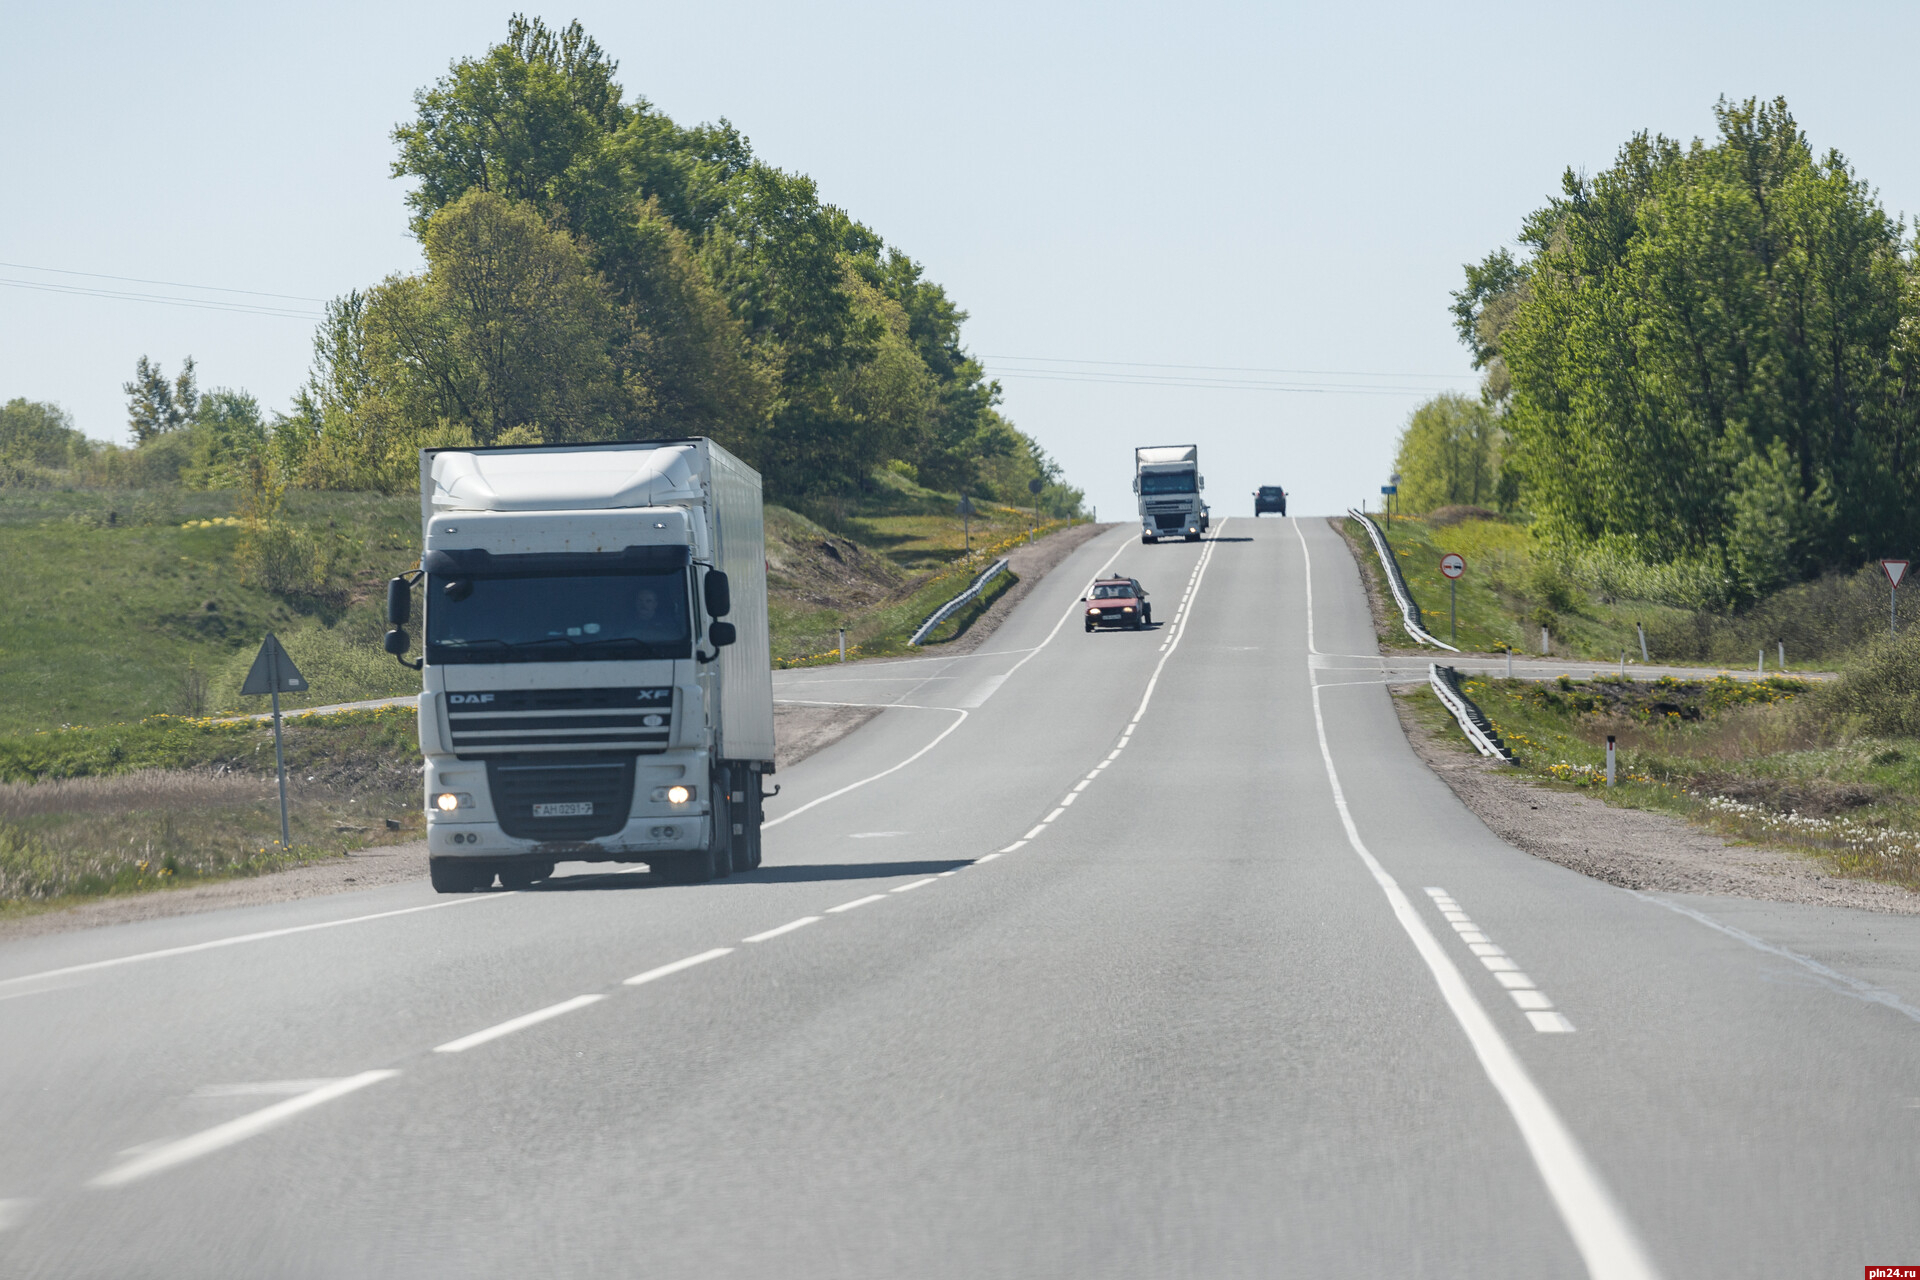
(1452, 565)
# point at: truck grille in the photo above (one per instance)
(519, 720)
(1170, 520)
(603, 784)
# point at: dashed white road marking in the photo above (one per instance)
(902, 888)
(1069, 798)
(857, 902)
(1084, 784)
(520, 1023)
(1033, 833)
(166, 1155)
(1056, 813)
(1015, 845)
(788, 927)
(1529, 998)
(262, 936)
(665, 969)
(874, 835)
(985, 857)
(259, 1088)
(1601, 1233)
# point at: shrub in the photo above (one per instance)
(1881, 689)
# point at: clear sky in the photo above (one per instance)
(1243, 188)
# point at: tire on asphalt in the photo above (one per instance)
(454, 875)
(524, 873)
(715, 861)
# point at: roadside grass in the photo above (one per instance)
(171, 800)
(1761, 762)
(116, 611)
(1509, 592)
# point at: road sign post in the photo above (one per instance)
(1453, 566)
(965, 508)
(1895, 571)
(1034, 486)
(273, 673)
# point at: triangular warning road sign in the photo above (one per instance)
(1895, 570)
(273, 671)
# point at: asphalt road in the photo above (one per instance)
(1131, 954)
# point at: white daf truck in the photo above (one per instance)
(597, 682)
(1168, 480)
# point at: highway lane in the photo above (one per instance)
(1183, 1029)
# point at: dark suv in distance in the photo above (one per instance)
(1118, 602)
(1269, 497)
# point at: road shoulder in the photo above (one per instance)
(1633, 848)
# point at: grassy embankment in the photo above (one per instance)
(1832, 771)
(1590, 606)
(134, 616)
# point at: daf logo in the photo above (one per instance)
(462, 699)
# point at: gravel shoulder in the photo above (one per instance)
(1633, 848)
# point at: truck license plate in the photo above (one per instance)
(576, 809)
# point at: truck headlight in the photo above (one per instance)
(678, 793)
(448, 801)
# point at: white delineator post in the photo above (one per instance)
(1643, 642)
(1609, 759)
(843, 644)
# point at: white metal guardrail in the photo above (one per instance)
(959, 602)
(1409, 611)
(1473, 722)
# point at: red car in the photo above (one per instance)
(1118, 602)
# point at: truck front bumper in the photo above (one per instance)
(632, 843)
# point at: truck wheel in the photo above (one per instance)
(1146, 615)
(450, 875)
(1193, 537)
(524, 874)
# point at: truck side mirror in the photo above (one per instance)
(1203, 482)
(719, 596)
(398, 642)
(1136, 484)
(721, 634)
(399, 605)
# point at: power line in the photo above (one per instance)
(171, 284)
(1203, 384)
(1223, 368)
(198, 304)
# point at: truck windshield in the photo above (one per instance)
(585, 618)
(1167, 482)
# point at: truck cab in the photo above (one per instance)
(596, 679)
(1168, 481)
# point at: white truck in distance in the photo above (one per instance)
(584, 700)
(1168, 480)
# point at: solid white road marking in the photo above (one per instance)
(520, 1023)
(857, 902)
(1601, 1233)
(163, 1156)
(1836, 981)
(788, 927)
(854, 786)
(665, 969)
(250, 937)
(915, 885)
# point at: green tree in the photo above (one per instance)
(1449, 454)
(38, 434)
(1708, 351)
(155, 406)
